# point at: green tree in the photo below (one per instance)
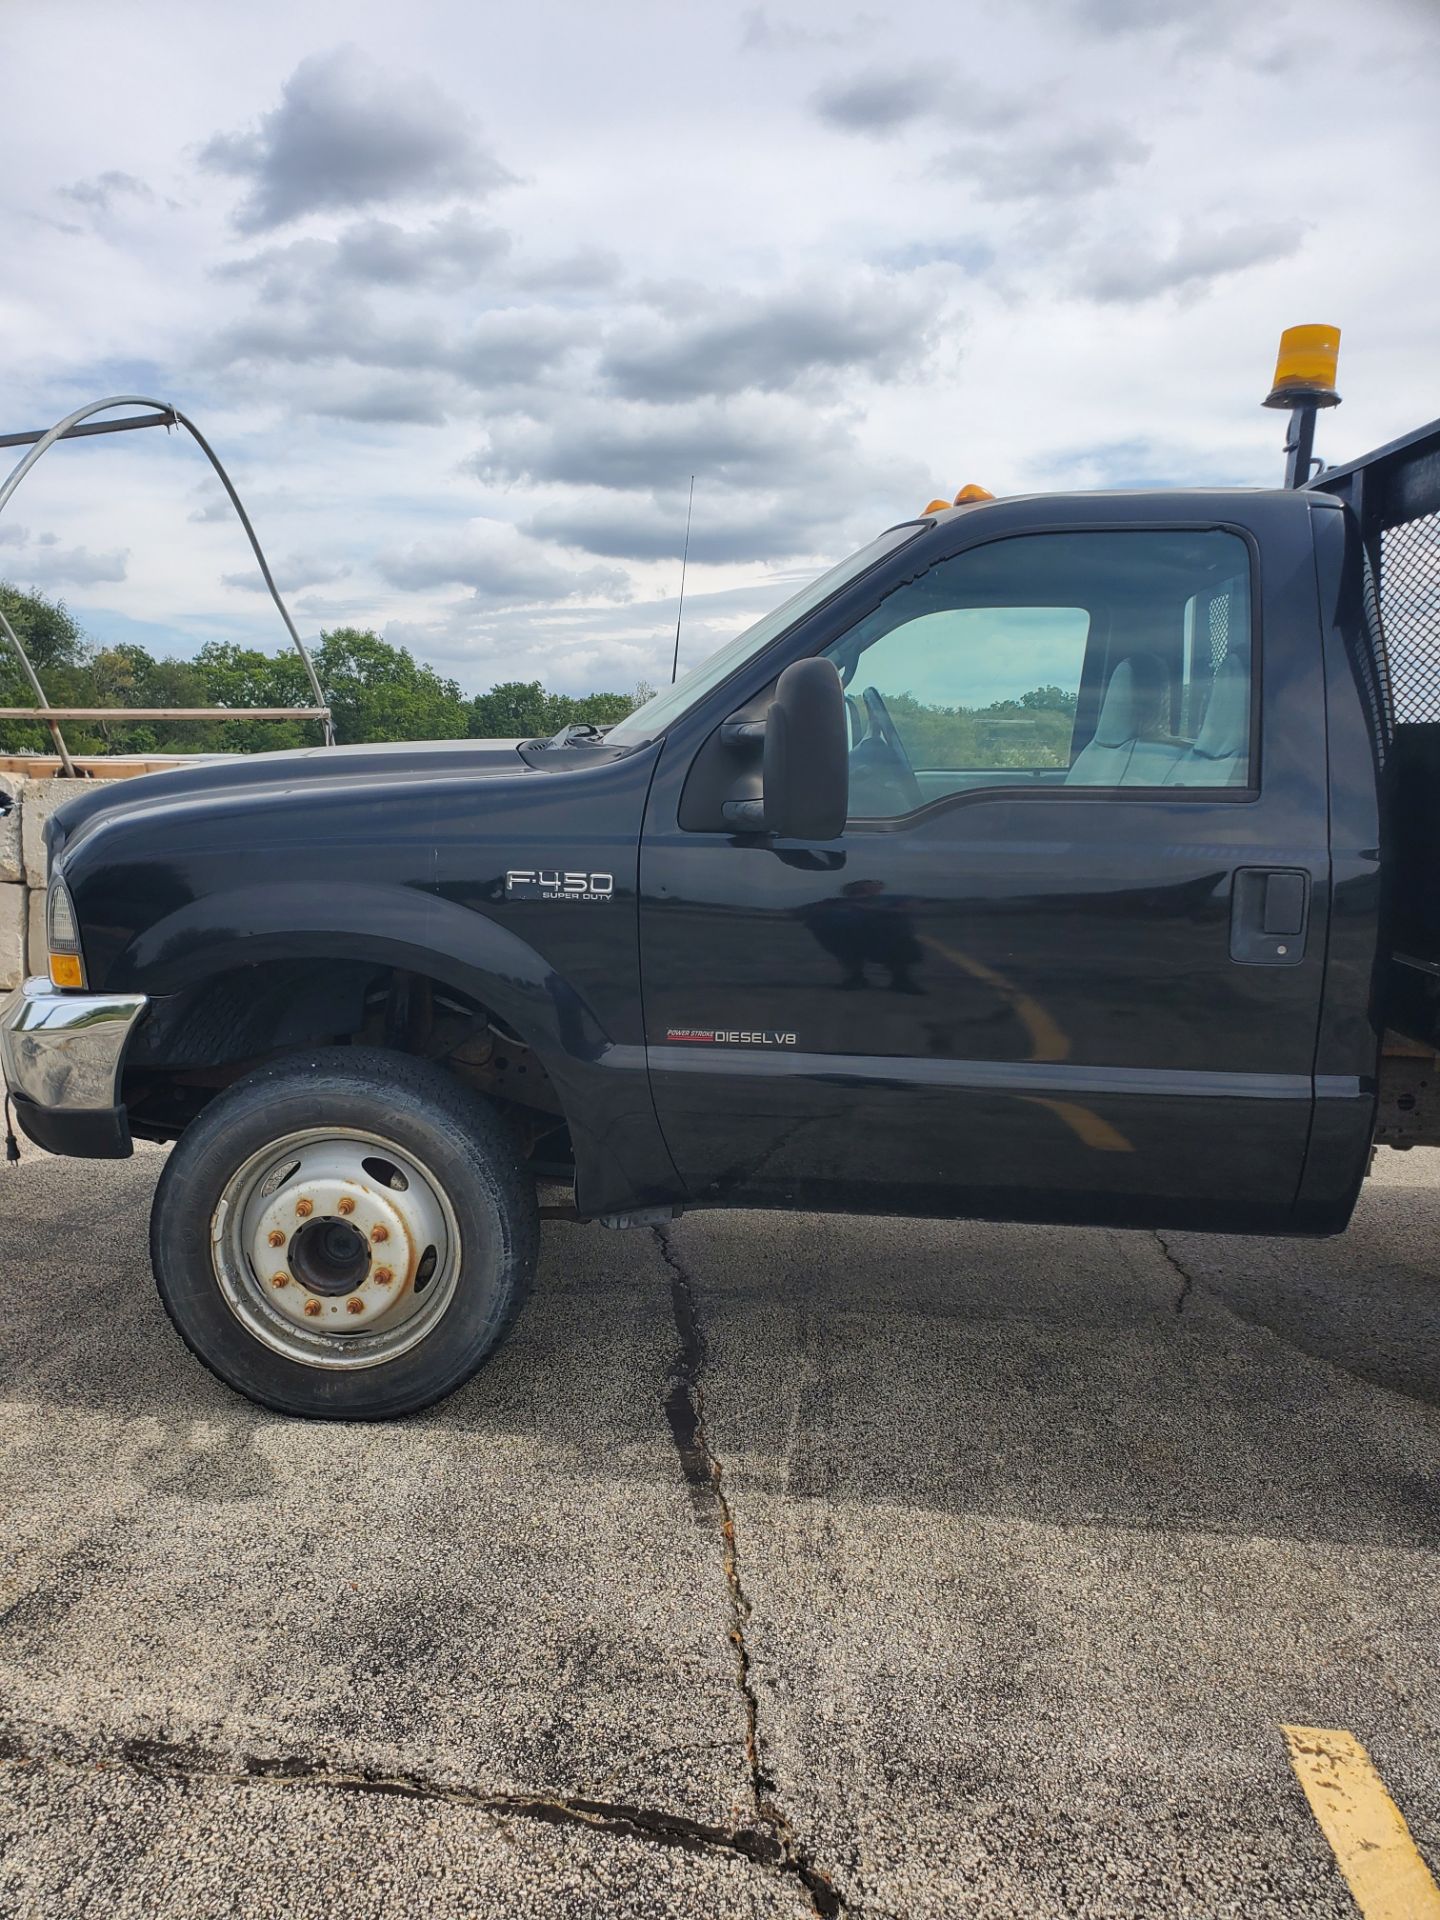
(511, 710)
(233, 676)
(1033, 731)
(375, 690)
(57, 649)
(602, 709)
(1050, 700)
(523, 710)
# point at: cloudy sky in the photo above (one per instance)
(464, 294)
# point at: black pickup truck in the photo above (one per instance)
(1067, 858)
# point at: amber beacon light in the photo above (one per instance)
(969, 496)
(1305, 374)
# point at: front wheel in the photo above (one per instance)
(345, 1234)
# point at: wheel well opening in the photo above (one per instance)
(196, 1043)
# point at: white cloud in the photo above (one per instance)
(876, 324)
(42, 560)
(499, 563)
(348, 133)
(1125, 269)
(293, 573)
(464, 317)
(102, 193)
(753, 443)
(1052, 169)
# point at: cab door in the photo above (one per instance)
(1065, 960)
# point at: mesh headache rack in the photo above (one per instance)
(82, 425)
(1395, 496)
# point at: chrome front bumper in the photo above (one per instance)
(61, 1054)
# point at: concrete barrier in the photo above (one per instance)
(22, 873)
(12, 936)
(38, 800)
(12, 862)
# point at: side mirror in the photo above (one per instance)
(807, 754)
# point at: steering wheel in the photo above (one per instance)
(882, 729)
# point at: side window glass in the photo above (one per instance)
(1054, 661)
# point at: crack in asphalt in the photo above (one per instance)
(183, 1761)
(704, 1476)
(769, 1844)
(1187, 1280)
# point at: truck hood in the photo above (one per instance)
(261, 776)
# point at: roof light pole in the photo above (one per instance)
(1305, 371)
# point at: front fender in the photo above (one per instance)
(600, 1079)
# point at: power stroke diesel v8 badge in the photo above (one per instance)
(727, 1037)
(542, 883)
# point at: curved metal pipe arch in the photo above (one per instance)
(168, 416)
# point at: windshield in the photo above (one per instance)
(658, 713)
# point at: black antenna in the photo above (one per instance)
(684, 562)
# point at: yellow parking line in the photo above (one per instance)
(1087, 1126)
(1365, 1828)
(1047, 1039)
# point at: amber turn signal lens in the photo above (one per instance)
(66, 970)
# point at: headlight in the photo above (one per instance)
(62, 937)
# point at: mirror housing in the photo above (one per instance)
(807, 754)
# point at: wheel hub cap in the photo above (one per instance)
(335, 1248)
(335, 1240)
(329, 1257)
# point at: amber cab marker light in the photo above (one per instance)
(1306, 368)
(969, 495)
(937, 506)
(66, 970)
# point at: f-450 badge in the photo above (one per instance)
(543, 883)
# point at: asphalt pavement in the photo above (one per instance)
(777, 1566)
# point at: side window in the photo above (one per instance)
(1054, 661)
(976, 688)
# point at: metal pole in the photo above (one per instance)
(39, 692)
(1300, 445)
(684, 562)
(62, 430)
(82, 433)
(172, 416)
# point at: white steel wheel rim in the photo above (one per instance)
(336, 1248)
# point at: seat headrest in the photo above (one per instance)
(1225, 731)
(1134, 701)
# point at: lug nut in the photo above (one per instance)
(304, 1208)
(355, 1306)
(277, 1238)
(280, 1279)
(382, 1276)
(312, 1307)
(380, 1233)
(345, 1204)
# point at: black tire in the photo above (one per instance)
(467, 1147)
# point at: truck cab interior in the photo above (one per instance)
(1074, 659)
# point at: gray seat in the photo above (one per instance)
(1125, 751)
(1220, 756)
